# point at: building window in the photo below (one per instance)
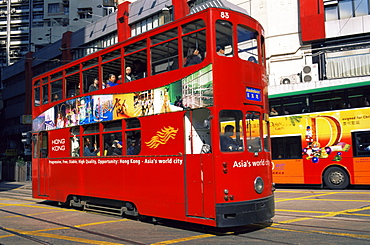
(149, 23)
(344, 9)
(84, 13)
(53, 8)
(361, 7)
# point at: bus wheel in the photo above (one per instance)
(336, 178)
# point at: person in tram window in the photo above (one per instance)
(252, 59)
(55, 97)
(139, 69)
(228, 143)
(131, 150)
(75, 146)
(220, 51)
(78, 90)
(112, 81)
(94, 86)
(129, 77)
(193, 57)
(115, 148)
(118, 148)
(87, 151)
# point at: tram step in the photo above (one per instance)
(104, 209)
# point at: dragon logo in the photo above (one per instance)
(162, 137)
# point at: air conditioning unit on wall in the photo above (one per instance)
(310, 73)
(289, 79)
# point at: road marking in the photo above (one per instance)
(16, 216)
(343, 234)
(303, 198)
(183, 239)
(66, 238)
(31, 205)
(332, 192)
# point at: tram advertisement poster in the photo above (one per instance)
(193, 91)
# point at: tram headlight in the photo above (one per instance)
(259, 185)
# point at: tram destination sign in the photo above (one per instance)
(253, 94)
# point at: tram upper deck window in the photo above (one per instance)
(37, 96)
(72, 69)
(231, 130)
(56, 75)
(112, 74)
(135, 46)
(56, 90)
(193, 26)
(73, 85)
(164, 55)
(136, 60)
(194, 45)
(45, 94)
(111, 55)
(88, 79)
(247, 44)
(224, 38)
(90, 63)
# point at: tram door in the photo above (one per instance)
(198, 164)
(41, 160)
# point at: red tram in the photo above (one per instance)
(176, 139)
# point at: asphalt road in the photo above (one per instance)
(303, 216)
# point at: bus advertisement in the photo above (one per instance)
(329, 147)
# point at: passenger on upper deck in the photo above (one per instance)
(55, 97)
(129, 77)
(139, 69)
(220, 51)
(112, 81)
(193, 57)
(94, 86)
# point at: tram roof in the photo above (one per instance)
(141, 9)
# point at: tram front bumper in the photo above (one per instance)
(244, 213)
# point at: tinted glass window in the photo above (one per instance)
(286, 147)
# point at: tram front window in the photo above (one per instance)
(231, 130)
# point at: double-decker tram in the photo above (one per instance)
(172, 123)
(322, 137)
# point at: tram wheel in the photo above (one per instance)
(336, 178)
